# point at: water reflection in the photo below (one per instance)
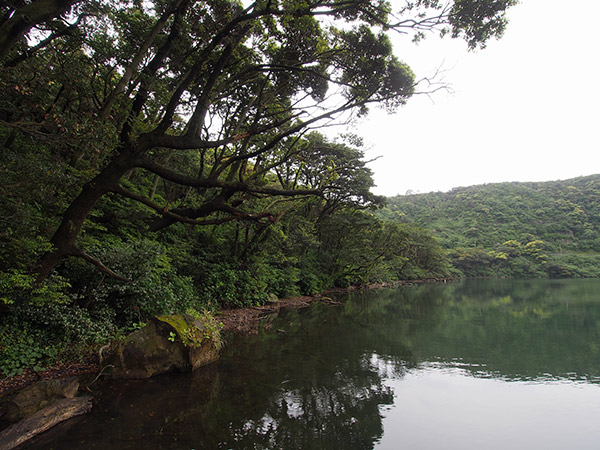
(470, 364)
(513, 329)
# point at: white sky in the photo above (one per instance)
(523, 109)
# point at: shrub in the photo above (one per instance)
(228, 286)
(18, 288)
(19, 350)
(154, 286)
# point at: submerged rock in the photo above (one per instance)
(167, 344)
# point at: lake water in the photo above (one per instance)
(480, 364)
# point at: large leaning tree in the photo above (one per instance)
(235, 86)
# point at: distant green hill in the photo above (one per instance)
(512, 229)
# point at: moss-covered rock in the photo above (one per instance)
(191, 331)
(167, 344)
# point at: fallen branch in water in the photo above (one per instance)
(43, 420)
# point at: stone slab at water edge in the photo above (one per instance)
(170, 343)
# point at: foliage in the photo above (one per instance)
(163, 155)
(18, 351)
(546, 229)
(227, 286)
(212, 326)
(357, 248)
(154, 286)
(17, 287)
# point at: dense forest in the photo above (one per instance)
(166, 156)
(547, 229)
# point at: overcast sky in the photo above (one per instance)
(523, 109)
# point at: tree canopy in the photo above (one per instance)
(211, 95)
(162, 155)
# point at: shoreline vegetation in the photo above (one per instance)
(88, 368)
(243, 320)
(499, 230)
(168, 157)
(165, 158)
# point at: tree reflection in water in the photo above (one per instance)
(329, 393)
(311, 385)
(343, 412)
(320, 378)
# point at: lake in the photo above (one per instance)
(477, 364)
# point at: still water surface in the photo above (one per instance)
(481, 364)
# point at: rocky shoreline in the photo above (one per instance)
(241, 321)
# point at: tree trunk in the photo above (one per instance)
(26, 17)
(42, 420)
(65, 236)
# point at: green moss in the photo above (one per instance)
(194, 331)
(212, 328)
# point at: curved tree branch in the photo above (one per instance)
(23, 19)
(81, 254)
(164, 210)
(185, 180)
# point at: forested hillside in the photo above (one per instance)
(512, 229)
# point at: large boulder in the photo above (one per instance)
(168, 343)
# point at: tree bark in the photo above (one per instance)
(66, 234)
(26, 17)
(43, 420)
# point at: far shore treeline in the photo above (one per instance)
(523, 230)
(166, 156)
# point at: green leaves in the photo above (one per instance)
(19, 288)
(479, 20)
(207, 107)
(513, 229)
(17, 354)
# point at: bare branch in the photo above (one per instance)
(81, 254)
(164, 210)
(212, 183)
